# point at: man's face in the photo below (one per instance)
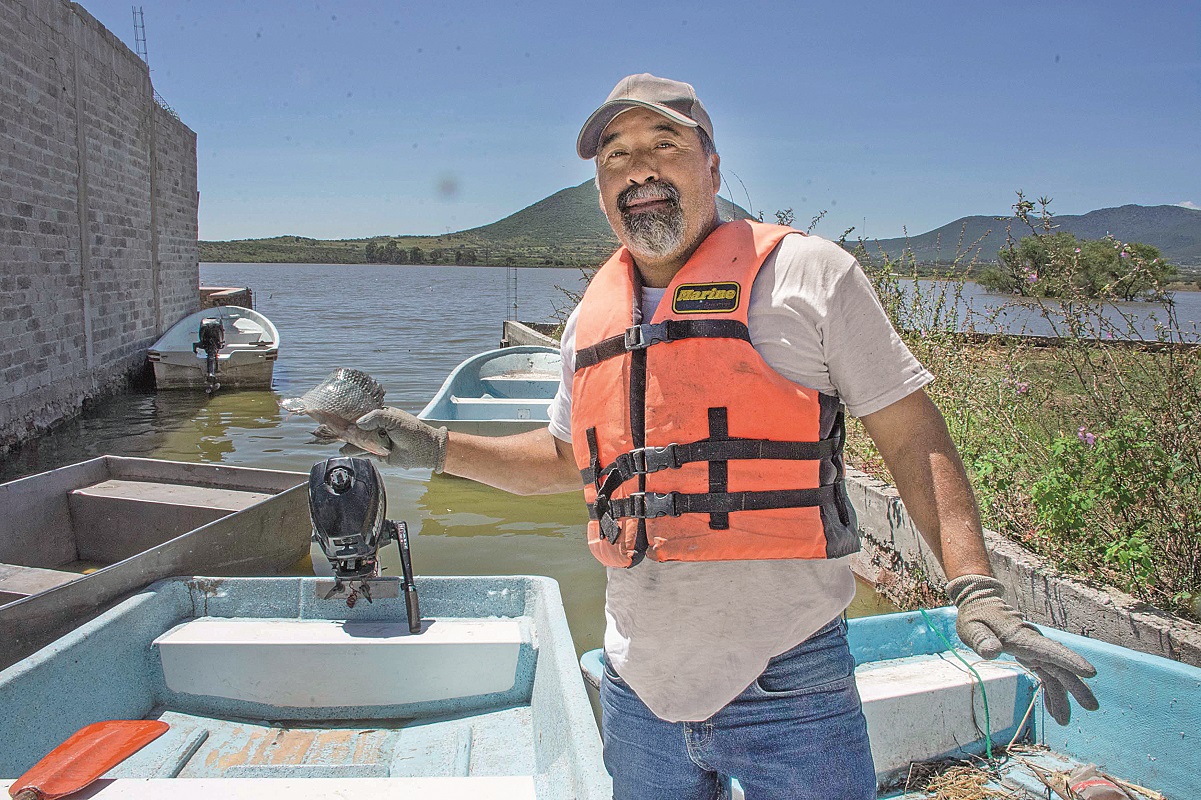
(657, 186)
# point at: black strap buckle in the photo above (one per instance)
(646, 505)
(652, 459)
(640, 337)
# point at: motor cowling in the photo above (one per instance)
(348, 504)
(211, 336)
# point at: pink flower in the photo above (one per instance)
(1032, 277)
(1125, 254)
(1085, 436)
(1022, 387)
(1077, 249)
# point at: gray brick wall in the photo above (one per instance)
(98, 208)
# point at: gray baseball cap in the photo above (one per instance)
(673, 99)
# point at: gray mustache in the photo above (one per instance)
(659, 190)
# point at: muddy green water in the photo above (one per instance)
(407, 326)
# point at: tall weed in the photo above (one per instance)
(1085, 445)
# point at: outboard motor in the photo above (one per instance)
(212, 339)
(348, 505)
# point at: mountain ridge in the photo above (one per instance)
(1175, 230)
(568, 228)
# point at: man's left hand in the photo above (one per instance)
(990, 626)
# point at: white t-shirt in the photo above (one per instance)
(689, 636)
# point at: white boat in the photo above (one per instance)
(924, 704)
(271, 690)
(248, 347)
(498, 392)
(76, 539)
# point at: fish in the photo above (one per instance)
(339, 401)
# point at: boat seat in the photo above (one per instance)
(486, 408)
(922, 708)
(172, 494)
(450, 659)
(147, 514)
(17, 581)
(519, 386)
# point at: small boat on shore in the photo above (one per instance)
(924, 705)
(76, 539)
(228, 346)
(271, 690)
(498, 392)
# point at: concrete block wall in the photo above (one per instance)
(98, 207)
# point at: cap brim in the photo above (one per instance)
(590, 135)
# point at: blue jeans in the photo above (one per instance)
(796, 733)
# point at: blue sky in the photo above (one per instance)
(333, 120)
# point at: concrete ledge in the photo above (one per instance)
(213, 296)
(519, 333)
(897, 560)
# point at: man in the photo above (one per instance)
(705, 373)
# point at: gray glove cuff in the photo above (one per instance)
(971, 586)
(440, 437)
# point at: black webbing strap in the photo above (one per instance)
(719, 472)
(652, 459)
(647, 505)
(639, 337)
(637, 410)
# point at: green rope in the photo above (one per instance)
(983, 693)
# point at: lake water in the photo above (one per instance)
(408, 326)
(970, 305)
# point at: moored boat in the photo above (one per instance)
(271, 690)
(923, 704)
(226, 346)
(498, 392)
(75, 539)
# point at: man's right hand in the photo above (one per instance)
(414, 444)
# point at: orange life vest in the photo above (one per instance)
(691, 447)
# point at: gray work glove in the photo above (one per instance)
(413, 444)
(990, 626)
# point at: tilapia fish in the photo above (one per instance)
(337, 403)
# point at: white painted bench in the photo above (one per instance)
(286, 662)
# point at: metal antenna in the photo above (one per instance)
(139, 46)
(511, 293)
(139, 34)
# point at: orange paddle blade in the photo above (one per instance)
(89, 753)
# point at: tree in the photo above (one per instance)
(1059, 265)
(387, 254)
(370, 252)
(416, 255)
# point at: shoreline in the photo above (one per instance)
(1173, 287)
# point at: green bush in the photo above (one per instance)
(1088, 451)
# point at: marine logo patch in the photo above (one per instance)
(705, 298)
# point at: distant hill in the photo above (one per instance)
(1176, 231)
(566, 229)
